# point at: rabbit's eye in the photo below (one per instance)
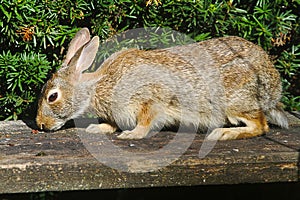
(52, 97)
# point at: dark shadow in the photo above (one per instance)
(30, 123)
(272, 191)
(295, 113)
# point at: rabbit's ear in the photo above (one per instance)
(87, 55)
(80, 39)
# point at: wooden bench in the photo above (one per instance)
(64, 161)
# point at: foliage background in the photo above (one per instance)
(35, 34)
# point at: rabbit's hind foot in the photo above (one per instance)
(103, 128)
(255, 122)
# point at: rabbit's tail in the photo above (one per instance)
(277, 116)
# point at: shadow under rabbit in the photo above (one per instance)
(85, 122)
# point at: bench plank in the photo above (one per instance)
(62, 160)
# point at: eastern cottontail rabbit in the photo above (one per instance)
(206, 84)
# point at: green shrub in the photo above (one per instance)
(24, 74)
(289, 65)
(42, 30)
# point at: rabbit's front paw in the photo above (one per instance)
(138, 132)
(100, 128)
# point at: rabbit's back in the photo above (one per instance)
(242, 69)
(202, 83)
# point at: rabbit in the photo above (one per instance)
(209, 84)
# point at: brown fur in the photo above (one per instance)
(145, 115)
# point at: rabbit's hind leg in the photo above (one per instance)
(144, 118)
(256, 124)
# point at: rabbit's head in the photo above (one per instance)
(68, 93)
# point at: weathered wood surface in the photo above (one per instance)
(62, 160)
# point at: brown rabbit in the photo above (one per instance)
(206, 84)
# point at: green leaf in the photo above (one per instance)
(7, 14)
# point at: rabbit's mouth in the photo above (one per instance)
(50, 125)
